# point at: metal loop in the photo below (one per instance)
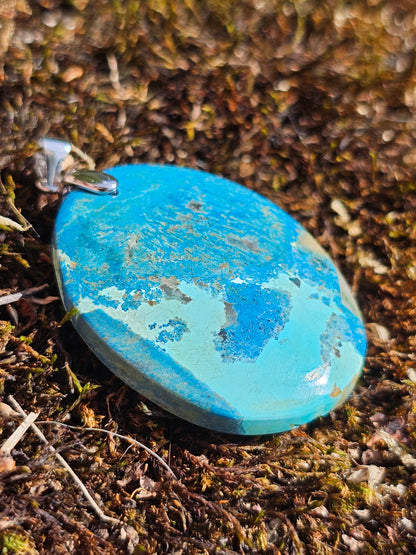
(48, 166)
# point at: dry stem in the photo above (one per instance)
(98, 511)
(19, 432)
(14, 297)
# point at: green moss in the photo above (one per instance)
(13, 543)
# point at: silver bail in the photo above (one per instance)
(48, 166)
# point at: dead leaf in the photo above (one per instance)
(72, 73)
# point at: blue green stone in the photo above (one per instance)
(209, 300)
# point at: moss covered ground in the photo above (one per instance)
(311, 103)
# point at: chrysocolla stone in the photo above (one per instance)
(209, 300)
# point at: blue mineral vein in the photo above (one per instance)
(218, 281)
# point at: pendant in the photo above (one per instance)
(204, 296)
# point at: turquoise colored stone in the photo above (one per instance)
(208, 299)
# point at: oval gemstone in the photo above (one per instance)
(208, 299)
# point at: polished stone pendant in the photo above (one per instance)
(207, 298)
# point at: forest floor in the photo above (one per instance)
(309, 102)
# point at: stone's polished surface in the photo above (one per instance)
(209, 300)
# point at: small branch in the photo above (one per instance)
(14, 297)
(17, 435)
(98, 511)
(108, 432)
(87, 159)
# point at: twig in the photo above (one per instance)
(98, 511)
(87, 159)
(110, 433)
(14, 297)
(24, 224)
(11, 224)
(17, 435)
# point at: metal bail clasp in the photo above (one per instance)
(48, 166)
